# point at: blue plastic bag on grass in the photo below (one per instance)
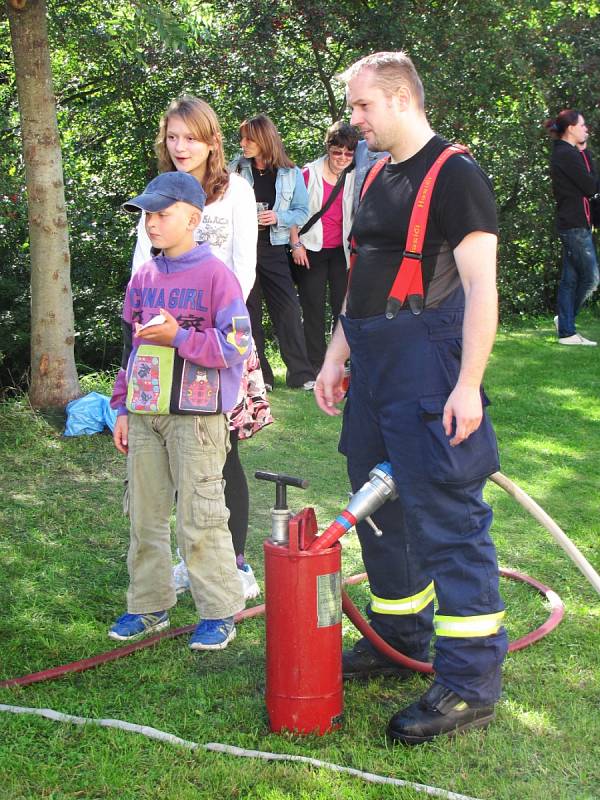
(89, 414)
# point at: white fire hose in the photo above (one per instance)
(538, 513)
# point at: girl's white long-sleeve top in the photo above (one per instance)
(229, 225)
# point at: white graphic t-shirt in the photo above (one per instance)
(229, 225)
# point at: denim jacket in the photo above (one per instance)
(291, 197)
(364, 160)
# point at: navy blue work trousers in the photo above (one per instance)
(437, 531)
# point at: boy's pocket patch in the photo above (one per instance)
(199, 389)
(149, 386)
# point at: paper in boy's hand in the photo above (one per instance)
(157, 320)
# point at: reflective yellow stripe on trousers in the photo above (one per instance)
(404, 605)
(464, 627)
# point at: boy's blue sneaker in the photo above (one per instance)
(134, 626)
(213, 634)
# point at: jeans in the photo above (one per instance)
(579, 276)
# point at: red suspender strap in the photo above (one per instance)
(371, 175)
(409, 280)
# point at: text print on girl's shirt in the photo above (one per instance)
(178, 298)
(214, 229)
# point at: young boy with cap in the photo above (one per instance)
(186, 336)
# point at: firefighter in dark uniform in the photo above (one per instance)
(416, 400)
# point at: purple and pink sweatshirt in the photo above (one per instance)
(201, 373)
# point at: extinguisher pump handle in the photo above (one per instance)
(281, 480)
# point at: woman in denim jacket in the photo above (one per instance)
(279, 189)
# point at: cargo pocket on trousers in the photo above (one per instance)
(475, 458)
(208, 503)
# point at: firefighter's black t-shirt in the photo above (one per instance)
(462, 202)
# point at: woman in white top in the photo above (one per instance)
(321, 249)
(189, 140)
(228, 220)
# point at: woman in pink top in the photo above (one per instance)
(320, 249)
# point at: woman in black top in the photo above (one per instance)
(279, 183)
(574, 183)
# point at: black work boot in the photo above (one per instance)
(439, 711)
(364, 662)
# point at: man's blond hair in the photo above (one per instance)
(391, 71)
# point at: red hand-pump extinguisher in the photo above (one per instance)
(303, 606)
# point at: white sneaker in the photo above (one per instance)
(250, 587)
(556, 322)
(309, 386)
(181, 579)
(577, 338)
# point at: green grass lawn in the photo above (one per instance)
(63, 544)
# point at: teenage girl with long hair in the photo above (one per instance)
(189, 140)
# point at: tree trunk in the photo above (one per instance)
(53, 372)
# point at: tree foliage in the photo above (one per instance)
(493, 71)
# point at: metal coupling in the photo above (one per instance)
(376, 491)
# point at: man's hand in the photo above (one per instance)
(329, 388)
(163, 335)
(463, 405)
(121, 434)
(476, 262)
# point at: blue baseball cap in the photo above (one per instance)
(166, 189)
